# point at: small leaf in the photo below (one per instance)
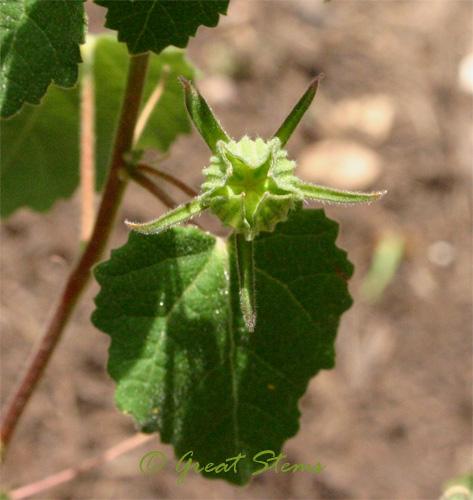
(455, 488)
(156, 24)
(40, 45)
(184, 362)
(203, 117)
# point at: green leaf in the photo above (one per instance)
(387, 257)
(184, 362)
(40, 45)
(40, 153)
(40, 145)
(156, 24)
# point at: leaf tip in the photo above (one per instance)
(315, 82)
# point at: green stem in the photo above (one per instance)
(80, 275)
(87, 157)
(246, 275)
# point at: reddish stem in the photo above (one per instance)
(80, 275)
(72, 472)
(168, 177)
(150, 186)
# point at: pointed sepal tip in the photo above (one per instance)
(203, 117)
(290, 123)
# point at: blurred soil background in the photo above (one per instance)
(393, 419)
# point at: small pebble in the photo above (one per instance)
(340, 164)
(372, 115)
(441, 253)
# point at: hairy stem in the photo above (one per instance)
(80, 275)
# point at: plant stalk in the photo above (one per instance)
(80, 275)
(169, 178)
(72, 472)
(150, 186)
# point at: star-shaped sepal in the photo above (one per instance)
(250, 185)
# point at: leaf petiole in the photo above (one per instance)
(79, 276)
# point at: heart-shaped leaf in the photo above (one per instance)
(184, 363)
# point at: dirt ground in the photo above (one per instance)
(393, 419)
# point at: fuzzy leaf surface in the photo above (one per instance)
(185, 364)
(153, 25)
(40, 45)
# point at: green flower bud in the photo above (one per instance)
(250, 185)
